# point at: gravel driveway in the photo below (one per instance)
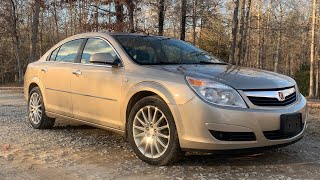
(74, 151)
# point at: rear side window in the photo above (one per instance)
(95, 46)
(68, 51)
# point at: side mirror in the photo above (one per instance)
(104, 58)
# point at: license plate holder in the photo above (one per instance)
(290, 123)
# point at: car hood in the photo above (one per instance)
(234, 76)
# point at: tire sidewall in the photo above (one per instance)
(173, 142)
(43, 116)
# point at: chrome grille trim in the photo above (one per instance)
(272, 97)
(270, 94)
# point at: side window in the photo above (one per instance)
(68, 51)
(94, 46)
(53, 55)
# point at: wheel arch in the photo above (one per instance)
(35, 82)
(140, 91)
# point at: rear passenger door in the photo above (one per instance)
(56, 76)
(96, 87)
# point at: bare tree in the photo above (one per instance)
(183, 19)
(161, 17)
(234, 32)
(194, 21)
(130, 5)
(35, 27)
(119, 11)
(16, 37)
(276, 61)
(243, 48)
(55, 18)
(240, 44)
(311, 89)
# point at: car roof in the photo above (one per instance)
(135, 35)
(114, 35)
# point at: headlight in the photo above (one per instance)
(216, 93)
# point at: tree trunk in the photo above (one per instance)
(96, 16)
(131, 12)
(259, 34)
(16, 41)
(317, 78)
(56, 19)
(266, 35)
(276, 62)
(311, 89)
(234, 32)
(119, 12)
(183, 19)
(35, 26)
(243, 49)
(161, 17)
(194, 21)
(240, 44)
(41, 35)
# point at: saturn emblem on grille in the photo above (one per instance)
(281, 96)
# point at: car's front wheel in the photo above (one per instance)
(152, 132)
(36, 110)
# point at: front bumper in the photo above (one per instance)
(196, 118)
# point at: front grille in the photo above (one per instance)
(265, 101)
(277, 135)
(273, 100)
(233, 136)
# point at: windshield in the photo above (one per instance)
(153, 50)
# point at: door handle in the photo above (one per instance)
(44, 69)
(77, 72)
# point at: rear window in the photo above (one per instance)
(67, 52)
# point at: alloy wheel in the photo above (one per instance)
(35, 108)
(151, 131)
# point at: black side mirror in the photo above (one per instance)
(105, 58)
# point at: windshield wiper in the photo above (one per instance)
(164, 63)
(209, 62)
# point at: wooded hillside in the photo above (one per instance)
(276, 35)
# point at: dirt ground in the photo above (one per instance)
(73, 151)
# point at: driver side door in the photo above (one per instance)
(96, 88)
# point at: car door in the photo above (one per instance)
(97, 88)
(57, 73)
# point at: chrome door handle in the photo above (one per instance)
(77, 72)
(44, 69)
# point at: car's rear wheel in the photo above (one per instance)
(152, 132)
(36, 111)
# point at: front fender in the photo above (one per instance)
(163, 92)
(154, 87)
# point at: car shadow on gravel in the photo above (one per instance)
(71, 127)
(292, 154)
(283, 156)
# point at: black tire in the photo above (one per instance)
(173, 152)
(45, 122)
